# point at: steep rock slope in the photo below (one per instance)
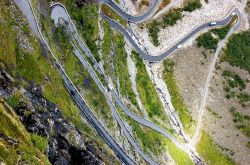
(43, 119)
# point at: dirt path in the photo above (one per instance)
(207, 84)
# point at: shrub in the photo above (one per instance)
(39, 142)
(172, 17)
(153, 32)
(237, 52)
(221, 32)
(207, 41)
(244, 97)
(235, 81)
(193, 5)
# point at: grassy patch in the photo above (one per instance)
(178, 155)
(39, 142)
(112, 14)
(208, 41)
(86, 17)
(237, 52)
(107, 58)
(210, 152)
(146, 90)
(13, 101)
(122, 69)
(244, 98)
(7, 46)
(147, 137)
(176, 98)
(23, 150)
(81, 78)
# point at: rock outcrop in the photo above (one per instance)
(66, 144)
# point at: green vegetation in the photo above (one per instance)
(171, 17)
(210, 152)
(7, 46)
(13, 101)
(112, 14)
(122, 69)
(234, 80)
(192, 5)
(242, 122)
(86, 17)
(81, 78)
(153, 32)
(221, 32)
(146, 89)
(214, 113)
(39, 142)
(33, 65)
(176, 98)
(178, 155)
(147, 137)
(107, 57)
(207, 41)
(244, 98)
(237, 52)
(23, 150)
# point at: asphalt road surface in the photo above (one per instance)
(59, 11)
(157, 58)
(135, 19)
(26, 7)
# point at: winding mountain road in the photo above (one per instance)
(135, 19)
(157, 58)
(59, 11)
(26, 7)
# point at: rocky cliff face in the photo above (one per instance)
(66, 144)
(41, 124)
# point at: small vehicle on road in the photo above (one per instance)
(72, 92)
(179, 46)
(212, 23)
(233, 13)
(110, 87)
